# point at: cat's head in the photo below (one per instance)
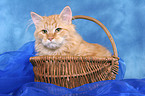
(53, 31)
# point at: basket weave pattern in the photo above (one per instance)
(71, 71)
(74, 71)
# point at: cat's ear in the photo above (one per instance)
(66, 15)
(36, 18)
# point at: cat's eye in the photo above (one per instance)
(44, 31)
(58, 29)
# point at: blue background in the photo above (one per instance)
(124, 19)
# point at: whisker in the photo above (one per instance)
(30, 22)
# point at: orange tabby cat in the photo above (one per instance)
(56, 35)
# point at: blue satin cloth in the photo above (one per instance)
(15, 68)
(128, 87)
(17, 79)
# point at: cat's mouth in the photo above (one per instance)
(52, 45)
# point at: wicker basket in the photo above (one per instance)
(74, 71)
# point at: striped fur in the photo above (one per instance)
(65, 42)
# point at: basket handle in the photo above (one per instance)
(103, 27)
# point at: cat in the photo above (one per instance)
(56, 35)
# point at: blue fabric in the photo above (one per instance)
(16, 78)
(15, 68)
(128, 87)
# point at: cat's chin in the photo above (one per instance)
(52, 46)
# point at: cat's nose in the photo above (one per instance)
(50, 38)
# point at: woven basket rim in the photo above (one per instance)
(72, 56)
(59, 57)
